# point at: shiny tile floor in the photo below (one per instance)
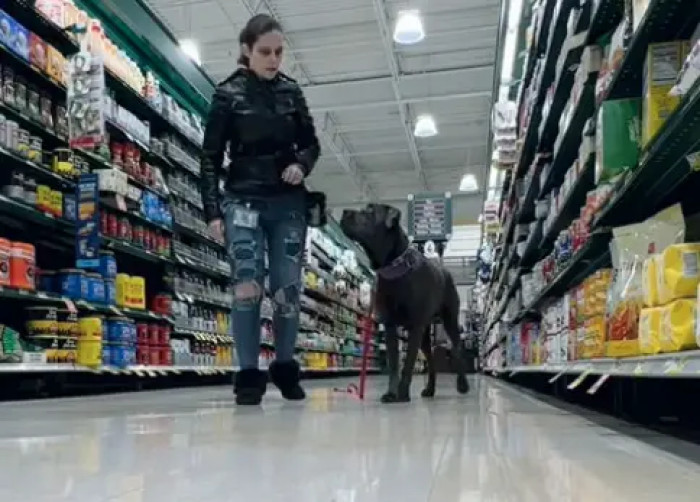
(495, 445)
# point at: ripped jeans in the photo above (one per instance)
(281, 230)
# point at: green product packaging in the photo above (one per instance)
(617, 138)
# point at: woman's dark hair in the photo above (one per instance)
(256, 27)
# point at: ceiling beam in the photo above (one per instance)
(380, 12)
(404, 101)
(332, 140)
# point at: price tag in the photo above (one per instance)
(42, 295)
(675, 367)
(638, 370)
(579, 380)
(557, 376)
(599, 383)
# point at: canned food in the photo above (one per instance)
(153, 334)
(118, 330)
(72, 283)
(142, 333)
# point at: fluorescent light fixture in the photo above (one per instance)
(468, 184)
(190, 48)
(409, 28)
(511, 39)
(425, 127)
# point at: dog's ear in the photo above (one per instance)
(393, 216)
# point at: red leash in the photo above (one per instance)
(367, 334)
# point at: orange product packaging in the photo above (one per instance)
(5, 249)
(22, 265)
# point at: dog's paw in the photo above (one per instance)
(428, 392)
(462, 384)
(389, 397)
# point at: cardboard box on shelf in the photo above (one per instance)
(663, 62)
(617, 138)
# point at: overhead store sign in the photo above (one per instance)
(430, 217)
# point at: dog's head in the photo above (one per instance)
(377, 229)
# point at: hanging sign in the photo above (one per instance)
(87, 239)
(430, 217)
(85, 100)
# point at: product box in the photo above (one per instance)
(38, 53)
(20, 42)
(8, 30)
(617, 138)
(661, 68)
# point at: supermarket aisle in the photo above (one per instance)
(497, 445)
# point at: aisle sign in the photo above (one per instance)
(430, 217)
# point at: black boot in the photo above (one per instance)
(286, 375)
(250, 387)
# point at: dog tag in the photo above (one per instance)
(244, 217)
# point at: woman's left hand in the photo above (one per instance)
(293, 174)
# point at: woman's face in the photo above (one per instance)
(266, 54)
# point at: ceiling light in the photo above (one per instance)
(409, 28)
(190, 48)
(468, 184)
(425, 127)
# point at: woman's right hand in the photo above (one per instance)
(216, 229)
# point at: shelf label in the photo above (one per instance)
(557, 376)
(580, 379)
(638, 370)
(599, 383)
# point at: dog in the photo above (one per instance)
(411, 292)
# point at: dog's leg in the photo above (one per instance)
(450, 320)
(392, 362)
(427, 349)
(414, 342)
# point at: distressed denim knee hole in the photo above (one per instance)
(286, 301)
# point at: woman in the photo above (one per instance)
(262, 115)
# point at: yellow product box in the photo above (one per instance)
(650, 330)
(678, 326)
(43, 198)
(122, 286)
(137, 292)
(622, 348)
(678, 272)
(594, 341)
(650, 282)
(663, 62)
(56, 203)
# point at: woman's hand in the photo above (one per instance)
(293, 175)
(216, 229)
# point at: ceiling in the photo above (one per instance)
(365, 92)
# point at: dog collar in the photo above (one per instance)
(405, 263)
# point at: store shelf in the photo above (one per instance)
(190, 298)
(566, 69)
(46, 81)
(533, 248)
(568, 147)
(194, 234)
(11, 160)
(570, 209)
(134, 251)
(24, 12)
(593, 255)
(52, 299)
(663, 20)
(201, 267)
(675, 365)
(25, 213)
(33, 126)
(606, 16)
(662, 167)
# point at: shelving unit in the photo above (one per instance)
(556, 67)
(188, 257)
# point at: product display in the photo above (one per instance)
(614, 276)
(99, 154)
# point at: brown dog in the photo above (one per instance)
(411, 292)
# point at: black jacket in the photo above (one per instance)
(266, 126)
